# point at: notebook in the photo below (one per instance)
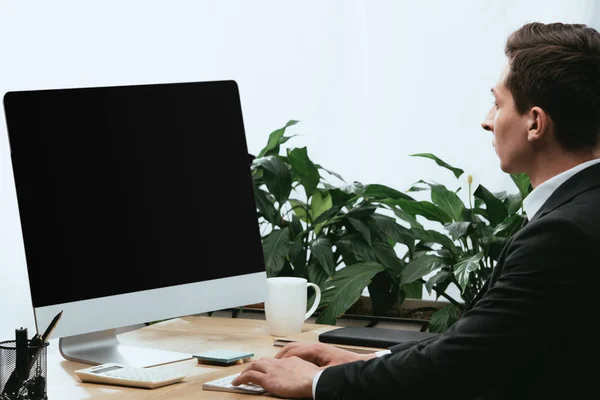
(372, 337)
(311, 336)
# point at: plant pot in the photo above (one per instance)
(415, 311)
(410, 309)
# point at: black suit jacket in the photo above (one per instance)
(530, 333)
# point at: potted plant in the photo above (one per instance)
(471, 236)
(312, 228)
(344, 237)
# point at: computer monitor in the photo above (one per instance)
(136, 205)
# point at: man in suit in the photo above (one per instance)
(527, 334)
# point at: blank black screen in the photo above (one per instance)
(129, 188)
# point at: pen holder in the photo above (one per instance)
(32, 388)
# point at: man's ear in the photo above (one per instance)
(538, 123)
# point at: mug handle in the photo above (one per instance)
(317, 300)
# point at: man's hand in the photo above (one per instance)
(322, 355)
(290, 377)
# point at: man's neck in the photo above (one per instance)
(552, 164)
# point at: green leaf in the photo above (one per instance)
(276, 247)
(495, 208)
(319, 203)
(328, 215)
(500, 196)
(394, 231)
(482, 212)
(431, 236)
(362, 229)
(415, 188)
(463, 269)
(403, 215)
(424, 209)
(513, 203)
(275, 140)
(457, 229)
(420, 267)
(443, 319)
(356, 244)
(287, 270)
(523, 184)
(413, 290)
(383, 292)
(386, 256)
(441, 279)
(330, 172)
(457, 171)
(509, 226)
(284, 139)
(277, 177)
(296, 226)
(344, 251)
(383, 192)
(316, 274)
(345, 289)
(298, 257)
(362, 211)
(339, 197)
(264, 203)
(306, 170)
(447, 255)
(448, 201)
(320, 249)
(300, 209)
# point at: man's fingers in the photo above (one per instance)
(286, 352)
(290, 346)
(296, 352)
(259, 366)
(282, 353)
(300, 350)
(249, 377)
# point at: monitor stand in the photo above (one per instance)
(104, 347)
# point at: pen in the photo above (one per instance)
(38, 340)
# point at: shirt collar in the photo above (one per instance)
(538, 196)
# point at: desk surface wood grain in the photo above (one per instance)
(187, 335)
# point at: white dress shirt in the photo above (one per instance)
(532, 204)
(540, 194)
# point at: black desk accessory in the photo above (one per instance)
(372, 337)
(26, 361)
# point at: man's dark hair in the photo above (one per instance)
(557, 68)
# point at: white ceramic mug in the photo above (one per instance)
(285, 307)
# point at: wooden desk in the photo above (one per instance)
(187, 335)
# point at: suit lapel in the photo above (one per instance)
(582, 181)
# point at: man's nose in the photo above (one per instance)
(488, 121)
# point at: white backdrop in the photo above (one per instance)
(371, 81)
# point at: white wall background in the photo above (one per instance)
(371, 81)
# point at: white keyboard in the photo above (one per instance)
(118, 374)
(224, 385)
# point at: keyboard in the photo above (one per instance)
(224, 385)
